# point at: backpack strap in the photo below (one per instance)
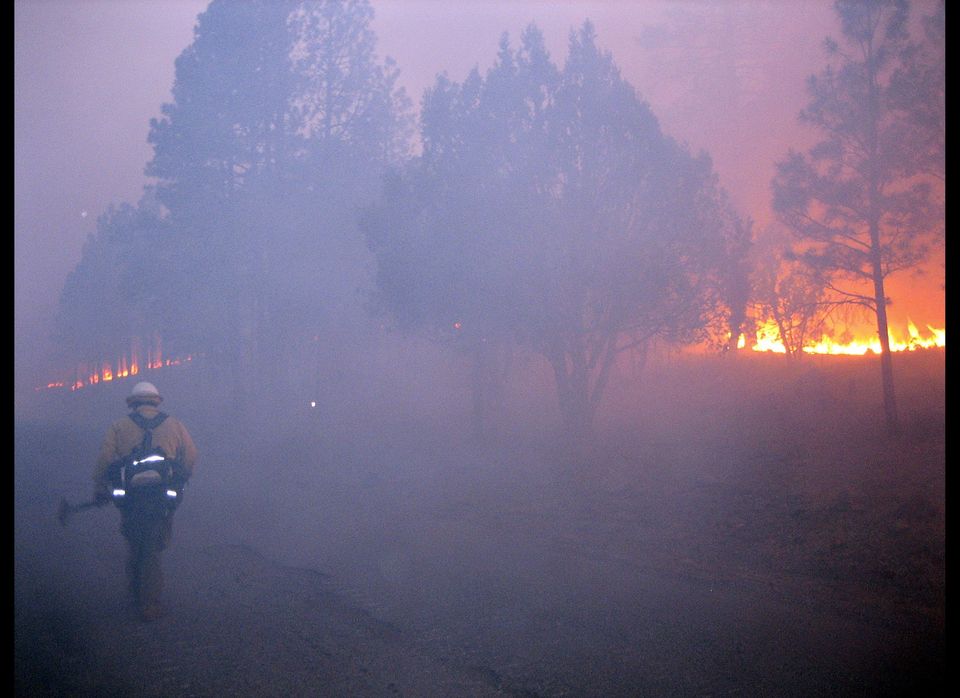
(170, 483)
(148, 425)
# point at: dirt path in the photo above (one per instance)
(237, 624)
(651, 582)
(240, 624)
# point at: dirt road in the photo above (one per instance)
(650, 582)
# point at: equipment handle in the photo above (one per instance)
(66, 509)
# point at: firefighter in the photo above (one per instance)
(147, 507)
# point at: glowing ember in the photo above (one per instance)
(50, 386)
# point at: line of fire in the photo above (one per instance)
(138, 358)
(768, 339)
(148, 357)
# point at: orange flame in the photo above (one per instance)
(768, 339)
(126, 365)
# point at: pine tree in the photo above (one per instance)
(859, 201)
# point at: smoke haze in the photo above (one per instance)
(395, 495)
(724, 77)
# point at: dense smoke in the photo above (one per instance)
(460, 355)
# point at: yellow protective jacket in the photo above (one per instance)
(124, 436)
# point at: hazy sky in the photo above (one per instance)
(726, 76)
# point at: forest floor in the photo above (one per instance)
(780, 547)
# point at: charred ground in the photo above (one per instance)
(741, 526)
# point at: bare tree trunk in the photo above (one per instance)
(886, 358)
(876, 260)
(576, 409)
(738, 317)
(491, 362)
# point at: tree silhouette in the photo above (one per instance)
(858, 200)
(111, 298)
(282, 122)
(548, 209)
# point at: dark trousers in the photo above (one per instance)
(147, 524)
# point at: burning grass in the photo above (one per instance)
(768, 339)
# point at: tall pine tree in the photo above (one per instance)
(859, 201)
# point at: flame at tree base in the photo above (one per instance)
(128, 364)
(768, 339)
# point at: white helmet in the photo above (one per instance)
(144, 390)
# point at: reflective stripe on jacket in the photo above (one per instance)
(124, 436)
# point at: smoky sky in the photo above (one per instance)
(725, 76)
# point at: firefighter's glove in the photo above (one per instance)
(101, 496)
